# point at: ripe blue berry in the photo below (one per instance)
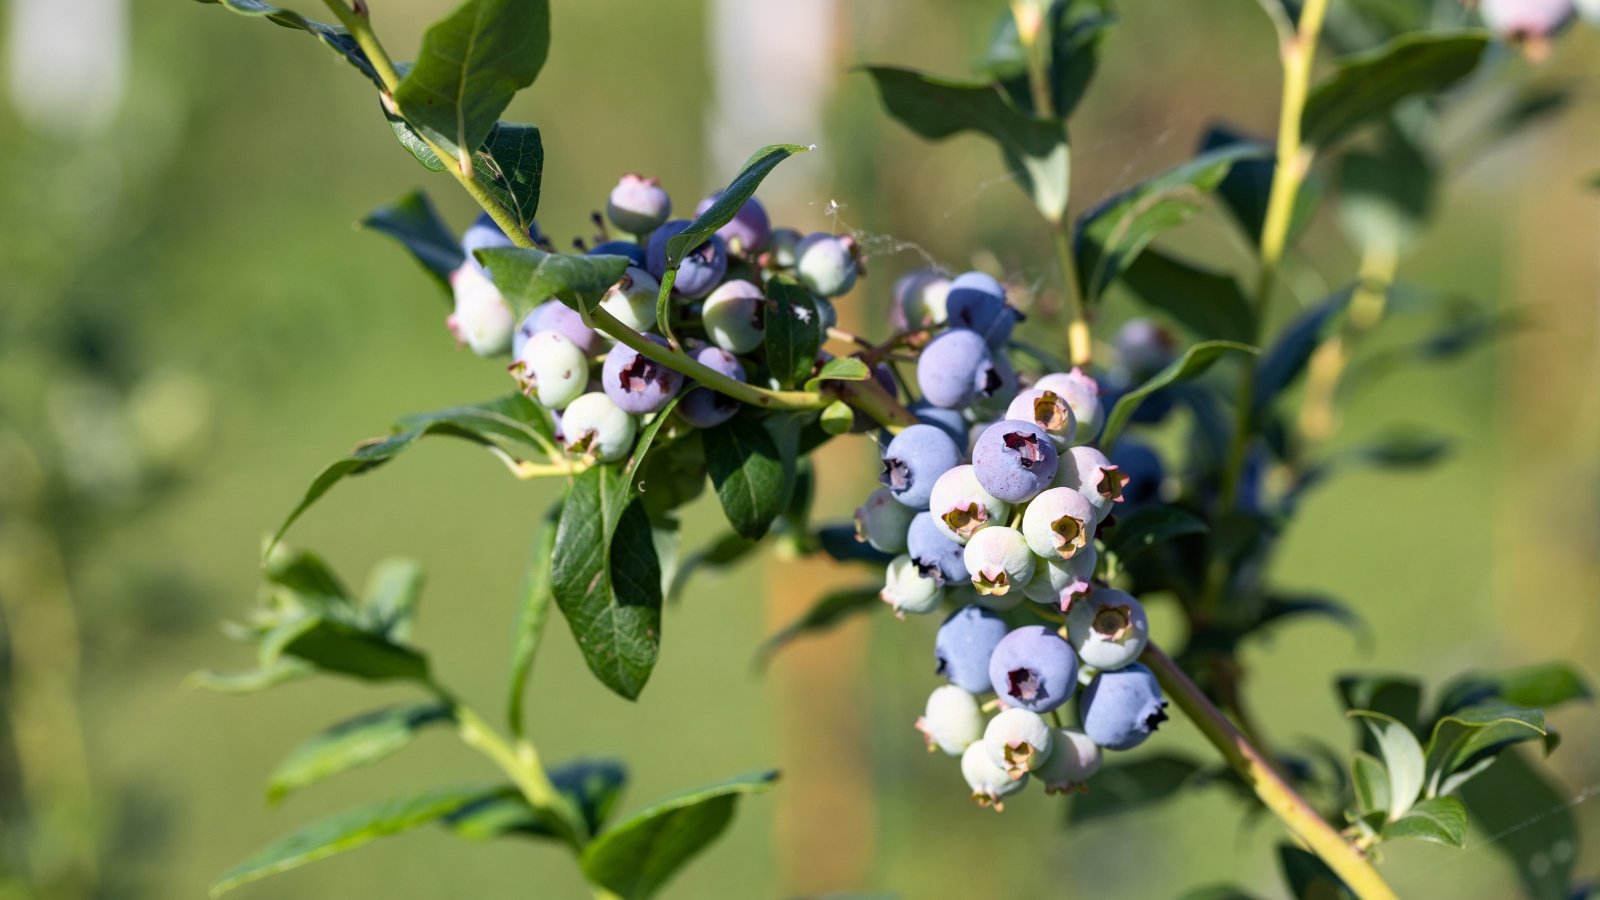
(962, 648)
(482, 234)
(978, 302)
(1138, 462)
(633, 299)
(638, 204)
(1109, 629)
(882, 521)
(1049, 411)
(1059, 523)
(990, 784)
(748, 230)
(1014, 460)
(1123, 707)
(919, 300)
(1082, 393)
(952, 720)
(949, 421)
(998, 389)
(1018, 741)
(955, 368)
(827, 264)
(593, 427)
(907, 590)
(914, 460)
(482, 319)
(551, 369)
(629, 249)
(734, 316)
(553, 315)
(637, 383)
(704, 408)
(1033, 668)
(961, 506)
(997, 559)
(1073, 760)
(701, 268)
(1088, 471)
(934, 552)
(1060, 584)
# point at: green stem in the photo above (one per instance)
(1275, 794)
(521, 764)
(1079, 346)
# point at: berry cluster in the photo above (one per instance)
(597, 391)
(992, 505)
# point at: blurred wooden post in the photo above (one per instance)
(775, 65)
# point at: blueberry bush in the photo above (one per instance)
(1023, 498)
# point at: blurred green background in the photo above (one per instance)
(190, 327)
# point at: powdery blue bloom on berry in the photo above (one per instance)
(1049, 411)
(485, 234)
(998, 559)
(1088, 471)
(638, 204)
(999, 388)
(1059, 523)
(907, 590)
(551, 370)
(989, 783)
(553, 315)
(952, 720)
(701, 406)
(882, 522)
(827, 264)
(949, 421)
(637, 383)
(734, 316)
(962, 648)
(1122, 708)
(1141, 466)
(1108, 629)
(961, 506)
(934, 552)
(1061, 584)
(482, 319)
(1073, 760)
(633, 252)
(633, 299)
(977, 301)
(955, 368)
(748, 230)
(914, 460)
(1144, 348)
(1018, 741)
(1033, 668)
(1082, 393)
(1014, 460)
(701, 268)
(919, 300)
(594, 428)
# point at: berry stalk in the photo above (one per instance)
(1275, 794)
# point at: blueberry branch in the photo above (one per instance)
(1275, 794)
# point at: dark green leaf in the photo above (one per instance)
(1146, 527)
(1283, 606)
(1035, 148)
(1386, 192)
(1248, 185)
(360, 741)
(1442, 820)
(471, 64)
(334, 37)
(528, 277)
(794, 331)
(1310, 878)
(531, 616)
(343, 649)
(1209, 304)
(647, 439)
(1398, 698)
(840, 542)
(307, 574)
(1365, 87)
(511, 165)
(1107, 239)
(415, 145)
(730, 199)
(607, 579)
(1532, 820)
(846, 368)
(1287, 357)
(637, 856)
(280, 672)
(512, 425)
(413, 222)
(823, 615)
(1482, 731)
(389, 604)
(1371, 782)
(592, 786)
(1076, 29)
(1542, 686)
(347, 831)
(1194, 362)
(748, 471)
(1120, 787)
